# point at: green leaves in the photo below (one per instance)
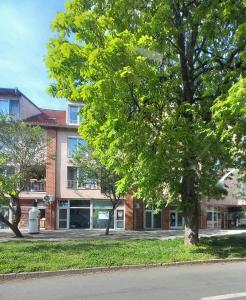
(229, 114)
(149, 73)
(22, 152)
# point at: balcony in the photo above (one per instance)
(76, 184)
(35, 186)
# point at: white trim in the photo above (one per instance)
(12, 99)
(68, 113)
(115, 218)
(68, 208)
(78, 137)
(152, 219)
(176, 219)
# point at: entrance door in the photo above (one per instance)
(5, 213)
(120, 219)
(152, 220)
(176, 219)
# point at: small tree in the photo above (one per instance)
(22, 149)
(91, 169)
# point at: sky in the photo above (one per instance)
(24, 33)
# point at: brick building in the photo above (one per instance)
(73, 205)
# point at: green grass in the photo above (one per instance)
(29, 256)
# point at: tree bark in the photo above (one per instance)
(115, 204)
(191, 208)
(13, 227)
(191, 217)
(109, 220)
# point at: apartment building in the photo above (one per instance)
(65, 203)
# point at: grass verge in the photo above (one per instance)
(30, 256)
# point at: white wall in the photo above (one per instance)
(61, 171)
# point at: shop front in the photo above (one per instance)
(89, 214)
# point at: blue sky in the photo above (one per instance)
(24, 32)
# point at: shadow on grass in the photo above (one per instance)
(223, 246)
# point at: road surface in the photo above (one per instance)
(206, 282)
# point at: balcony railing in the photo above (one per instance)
(35, 186)
(75, 184)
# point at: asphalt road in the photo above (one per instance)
(206, 282)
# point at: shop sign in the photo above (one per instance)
(103, 215)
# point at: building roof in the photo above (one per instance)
(15, 93)
(46, 117)
(10, 92)
(49, 117)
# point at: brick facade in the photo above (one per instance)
(51, 178)
(138, 215)
(129, 204)
(165, 218)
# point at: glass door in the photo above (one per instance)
(176, 219)
(120, 219)
(63, 218)
(152, 219)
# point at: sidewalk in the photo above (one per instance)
(80, 234)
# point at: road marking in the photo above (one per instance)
(227, 296)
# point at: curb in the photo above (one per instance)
(41, 274)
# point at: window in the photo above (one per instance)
(73, 144)
(74, 180)
(72, 177)
(101, 211)
(4, 107)
(73, 114)
(209, 216)
(10, 107)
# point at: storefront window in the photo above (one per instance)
(209, 216)
(63, 203)
(101, 211)
(100, 218)
(79, 218)
(80, 214)
(79, 203)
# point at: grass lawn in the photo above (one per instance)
(23, 256)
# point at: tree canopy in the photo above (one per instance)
(22, 151)
(230, 117)
(148, 72)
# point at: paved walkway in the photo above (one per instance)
(80, 234)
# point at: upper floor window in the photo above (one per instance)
(10, 107)
(76, 180)
(73, 114)
(73, 144)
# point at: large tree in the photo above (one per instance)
(229, 114)
(149, 72)
(22, 154)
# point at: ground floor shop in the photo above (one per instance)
(89, 214)
(129, 215)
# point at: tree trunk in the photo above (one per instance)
(13, 227)
(191, 217)
(191, 208)
(109, 220)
